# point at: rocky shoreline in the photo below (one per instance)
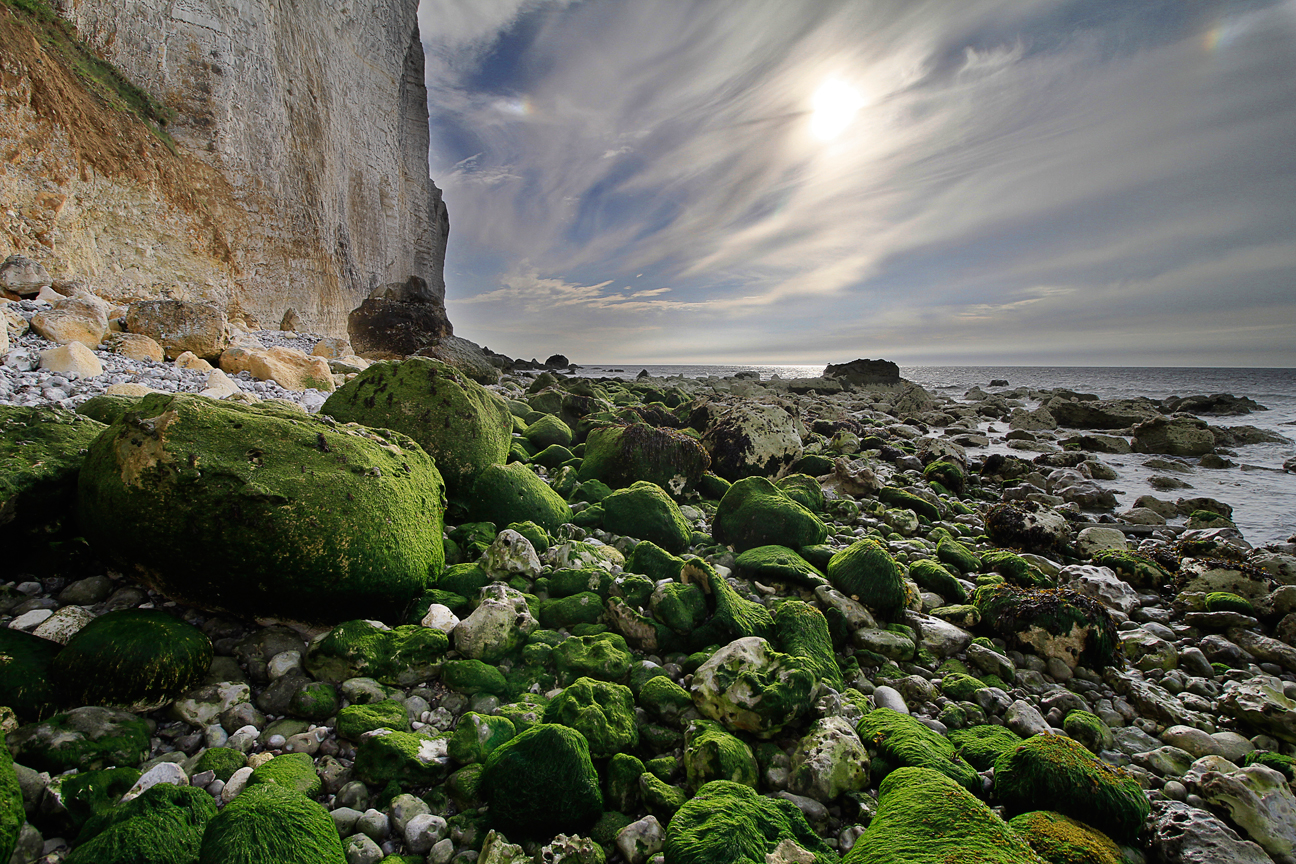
(407, 616)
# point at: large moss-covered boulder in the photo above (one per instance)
(353, 721)
(903, 741)
(1060, 839)
(802, 631)
(730, 823)
(461, 424)
(85, 739)
(400, 656)
(25, 682)
(933, 577)
(644, 511)
(406, 758)
(295, 771)
(269, 823)
(264, 511)
(1053, 772)
(477, 736)
(165, 825)
(541, 783)
(924, 817)
(513, 493)
(603, 657)
(755, 512)
(711, 753)
(601, 711)
(775, 563)
(829, 761)
(752, 440)
(981, 745)
(41, 451)
(1135, 568)
(732, 615)
(621, 455)
(137, 659)
(749, 687)
(866, 572)
(12, 816)
(1051, 622)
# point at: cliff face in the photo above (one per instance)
(299, 176)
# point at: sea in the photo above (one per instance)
(1262, 495)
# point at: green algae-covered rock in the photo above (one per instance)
(802, 631)
(549, 431)
(923, 817)
(754, 512)
(729, 823)
(899, 498)
(829, 761)
(1015, 569)
(1089, 730)
(513, 493)
(222, 761)
(401, 656)
(960, 687)
(644, 511)
(294, 771)
(260, 512)
(459, 423)
(137, 659)
(622, 780)
(778, 563)
(1052, 622)
(465, 580)
(562, 612)
(933, 577)
(541, 783)
(12, 816)
(601, 711)
(904, 741)
(25, 682)
(565, 583)
(1135, 568)
(981, 745)
(732, 615)
(866, 572)
(803, 489)
(653, 561)
(89, 793)
(711, 753)
(473, 676)
(477, 736)
(355, 720)
(85, 739)
(1027, 525)
(267, 823)
(603, 656)
(749, 687)
(1053, 772)
(958, 556)
(1224, 601)
(164, 825)
(681, 607)
(1060, 839)
(41, 451)
(316, 700)
(947, 474)
(664, 699)
(407, 758)
(107, 408)
(538, 536)
(622, 455)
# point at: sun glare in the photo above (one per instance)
(835, 105)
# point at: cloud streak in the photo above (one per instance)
(1013, 168)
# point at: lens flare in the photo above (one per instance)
(834, 105)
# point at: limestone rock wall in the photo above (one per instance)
(300, 177)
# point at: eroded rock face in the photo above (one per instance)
(752, 440)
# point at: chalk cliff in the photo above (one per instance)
(299, 172)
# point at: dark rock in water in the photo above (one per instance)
(398, 319)
(1100, 413)
(864, 372)
(1174, 436)
(999, 382)
(1217, 403)
(557, 361)
(643, 373)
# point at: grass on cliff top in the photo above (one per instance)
(100, 77)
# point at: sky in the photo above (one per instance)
(982, 182)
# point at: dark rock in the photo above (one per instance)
(999, 382)
(557, 361)
(1218, 403)
(1181, 435)
(397, 320)
(1100, 413)
(858, 372)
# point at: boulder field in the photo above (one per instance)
(557, 619)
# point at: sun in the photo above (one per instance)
(835, 105)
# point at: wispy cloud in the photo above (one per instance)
(1009, 163)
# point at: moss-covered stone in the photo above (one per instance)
(459, 423)
(12, 815)
(566, 582)
(680, 606)
(221, 761)
(537, 535)
(961, 688)
(1027, 525)
(1060, 839)
(466, 580)
(1053, 772)
(85, 739)
(981, 745)
(513, 493)
(525, 712)
(165, 825)
(316, 700)
(137, 659)
(768, 564)
(563, 612)
(406, 758)
(644, 511)
(958, 556)
(751, 688)
(25, 678)
(1138, 569)
(802, 631)
(41, 451)
(542, 782)
(866, 572)
(948, 474)
(894, 497)
(664, 699)
(354, 721)
(604, 657)
(601, 711)
(622, 455)
(1053, 622)
(1223, 601)
(269, 823)
(729, 823)
(294, 771)
(474, 538)
(924, 817)
(732, 615)
(660, 798)
(754, 512)
(903, 741)
(1015, 569)
(1089, 730)
(551, 457)
(622, 782)
(549, 431)
(477, 736)
(933, 577)
(473, 676)
(803, 489)
(107, 408)
(400, 656)
(651, 560)
(1284, 765)
(711, 753)
(260, 512)
(88, 793)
